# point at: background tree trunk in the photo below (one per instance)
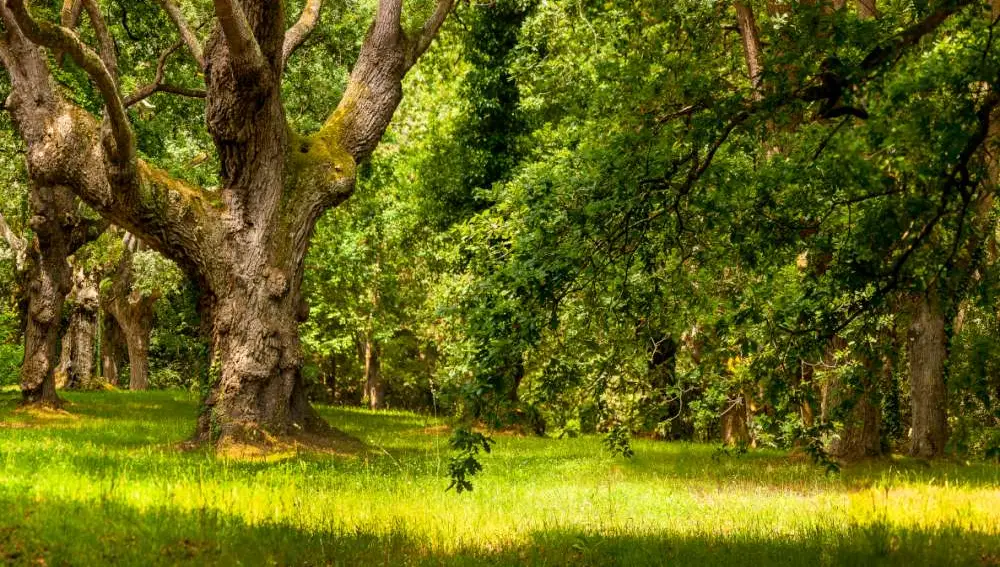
(112, 349)
(928, 396)
(134, 313)
(79, 340)
(374, 384)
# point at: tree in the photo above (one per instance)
(243, 244)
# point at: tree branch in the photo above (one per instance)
(157, 85)
(187, 35)
(374, 88)
(244, 51)
(106, 44)
(429, 31)
(302, 28)
(57, 37)
(892, 49)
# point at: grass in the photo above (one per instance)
(106, 483)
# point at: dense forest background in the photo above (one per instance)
(761, 224)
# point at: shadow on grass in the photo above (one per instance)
(110, 533)
(119, 424)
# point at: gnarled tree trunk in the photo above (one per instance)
(244, 244)
(76, 369)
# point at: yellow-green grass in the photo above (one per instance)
(106, 483)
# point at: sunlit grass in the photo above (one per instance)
(106, 482)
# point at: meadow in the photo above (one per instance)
(109, 481)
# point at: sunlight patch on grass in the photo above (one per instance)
(538, 500)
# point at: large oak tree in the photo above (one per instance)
(245, 243)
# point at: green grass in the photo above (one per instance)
(107, 484)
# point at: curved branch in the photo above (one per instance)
(157, 85)
(374, 88)
(105, 42)
(302, 28)
(57, 37)
(190, 39)
(429, 31)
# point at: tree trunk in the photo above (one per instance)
(138, 357)
(928, 396)
(79, 341)
(734, 423)
(112, 351)
(133, 313)
(245, 242)
(374, 384)
(49, 282)
(854, 403)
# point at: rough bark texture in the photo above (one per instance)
(76, 367)
(245, 244)
(928, 396)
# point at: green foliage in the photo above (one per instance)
(464, 465)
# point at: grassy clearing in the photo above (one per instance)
(105, 483)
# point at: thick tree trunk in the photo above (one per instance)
(374, 384)
(855, 404)
(928, 396)
(49, 282)
(244, 243)
(256, 365)
(79, 341)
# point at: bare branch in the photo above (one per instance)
(187, 34)
(302, 28)
(429, 31)
(105, 42)
(70, 13)
(157, 85)
(243, 48)
(57, 37)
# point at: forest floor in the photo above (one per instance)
(107, 482)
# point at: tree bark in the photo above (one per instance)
(112, 349)
(928, 395)
(133, 312)
(734, 423)
(244, 244)
(374, 384)
(79, 341)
